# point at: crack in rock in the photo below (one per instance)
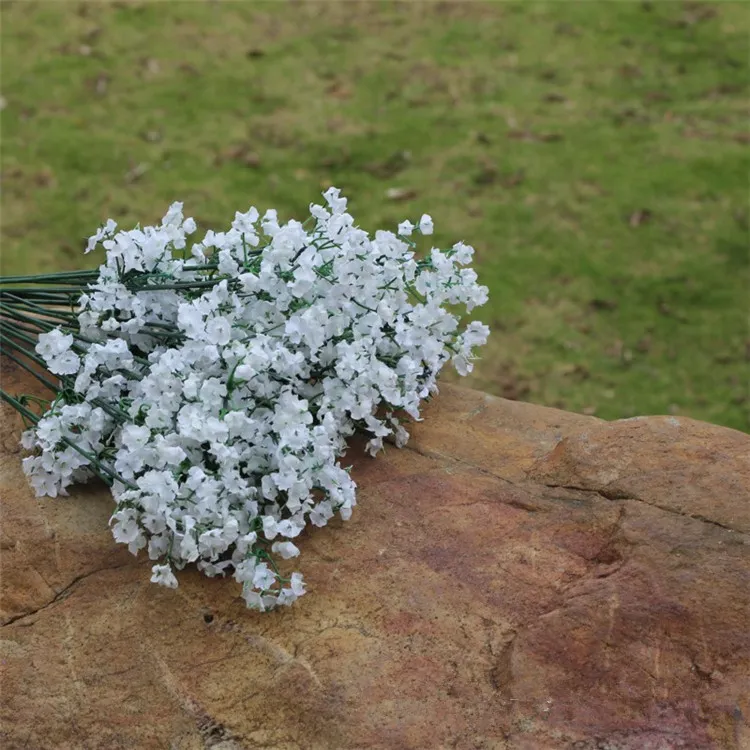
(513, 502)
(605, 492)
(440, 456)
(64, 593)
(613, 495)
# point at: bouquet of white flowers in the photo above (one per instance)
(214, 388)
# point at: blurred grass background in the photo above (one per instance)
(594, 153)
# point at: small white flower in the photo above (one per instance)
(53, 344)
(337, 204)
(425, 224)
(270, 529)
(67, 363)
(463, 253)
(126, 528)
(462, 364)
(263, 577)
(163, 575)
(286, 549)
(297, 584)
(402, 436)
(245, 223)
(405, 228)
(106, 231)
(252, 598)
(174, 215)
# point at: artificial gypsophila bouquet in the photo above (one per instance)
(213, 387)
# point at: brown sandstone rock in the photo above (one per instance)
(518, 577)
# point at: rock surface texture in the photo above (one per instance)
(517, 578)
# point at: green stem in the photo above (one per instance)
(48, 383)
(51, 278)
(118, 414)
(16, 332)
(16, 325)
(102, 470)
(45, 292)
(19, 407)
(27, 320)
(51, 312)
(177, 285)
(26, 353)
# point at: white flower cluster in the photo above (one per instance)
(215, 388)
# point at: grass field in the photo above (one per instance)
(595, 154)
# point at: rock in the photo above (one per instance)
(516, 578)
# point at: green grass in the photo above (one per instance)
(595, 154)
